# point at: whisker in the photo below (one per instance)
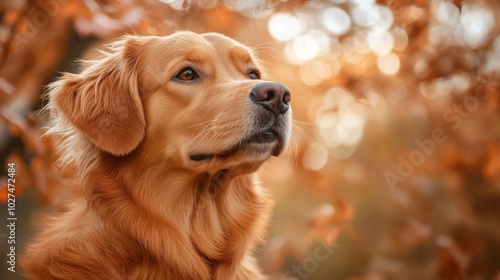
(268, 173)
(294, 148)
(304, 123)
(297, 127)
(202, 123)
(267, 45)
(205, 131)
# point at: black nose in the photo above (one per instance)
(274, 97)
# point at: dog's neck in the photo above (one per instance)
(178, 202)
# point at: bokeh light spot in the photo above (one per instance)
(327, 125)
(305, 48)
(315, 157)
(388, 64)
(400, 39)
(284, 26)
(342, 151)
(336, 21)
(315, 71)
(447, 13)
(350, 129)
(476, 25)
(376, 17)
(380, 42)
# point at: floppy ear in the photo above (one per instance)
(103, 101)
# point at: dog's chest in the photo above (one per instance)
(224, 221)
(212, 230)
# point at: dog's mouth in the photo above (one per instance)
(268, 136)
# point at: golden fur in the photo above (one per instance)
(146, 207)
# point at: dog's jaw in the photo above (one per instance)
(264, 138)
(272, 139)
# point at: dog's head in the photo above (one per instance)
(196, 100)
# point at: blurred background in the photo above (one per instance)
(394, 169)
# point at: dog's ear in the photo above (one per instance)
(103, 101)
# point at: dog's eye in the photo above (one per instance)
(187, 74)
(254, 75)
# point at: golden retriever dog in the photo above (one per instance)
(166, 133)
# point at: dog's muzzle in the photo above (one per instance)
(269, 124)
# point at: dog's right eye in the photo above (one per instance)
(254, 75)
(187, 74)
